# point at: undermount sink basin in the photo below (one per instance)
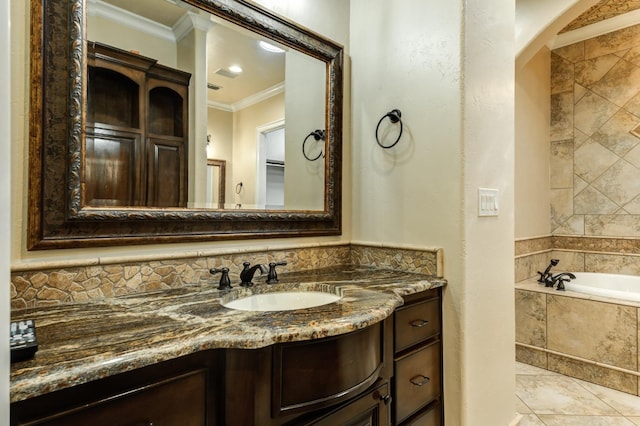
(282, 301)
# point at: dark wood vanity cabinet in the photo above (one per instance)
(417, 378)
(137, 131)
(386, 374)
(181, 392)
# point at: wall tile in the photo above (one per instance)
(596, 331)
(633, 156)
(595, 374)
(620, 84)
(561, 206)
(561, 74)
(572, 226)
(591, 160)
(592, 70)
(633, 206)
(561, 164)
(531, 318)
(591, 112)
(532, 245)
(562, 116)
(621, 182)
(633, 106)
(612, 263)
(592, 201)
(528, 266)
(569, 260)
(612, 42)
(573, 52)
(614, 134)
(612, 225)
(531, 356)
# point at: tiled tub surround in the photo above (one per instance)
(588, 337)
(86, 341)
(73, 282)
(595, 136)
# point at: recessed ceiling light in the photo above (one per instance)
(236, 69)
(270, 47)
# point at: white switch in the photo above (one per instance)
(487, 202)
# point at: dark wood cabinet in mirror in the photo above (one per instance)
(76, 135)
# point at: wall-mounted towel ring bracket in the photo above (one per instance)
(317, 134)
(394, 116)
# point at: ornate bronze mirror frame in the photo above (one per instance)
(57, 216)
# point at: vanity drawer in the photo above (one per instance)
(417, 380)
(416, 322)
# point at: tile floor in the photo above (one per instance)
(551, 399)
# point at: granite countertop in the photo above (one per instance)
(78, 343)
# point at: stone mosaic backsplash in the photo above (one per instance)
(82, 283)
(595, 136)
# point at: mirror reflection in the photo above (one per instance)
(188, 110)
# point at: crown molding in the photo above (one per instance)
(258, 97)
(131, 20)
(190, 21)
(249, 100)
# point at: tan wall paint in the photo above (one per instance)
(532, 109)
(220, 127)
(127, 38)
(456, 95)
(245, 123)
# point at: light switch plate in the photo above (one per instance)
(487, 202)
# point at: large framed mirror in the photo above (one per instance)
(131, 102)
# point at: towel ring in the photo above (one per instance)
(317, 135)
(394, 116)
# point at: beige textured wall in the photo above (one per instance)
(457, 109)
(532, 147)
(595, 139)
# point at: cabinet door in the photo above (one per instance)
(166, 180)
(112, 168)
(371, 409)
(178, 401)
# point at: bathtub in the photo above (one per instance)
(626, 287)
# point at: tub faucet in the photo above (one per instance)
(560, 279)
(246, 275)
(545, 277)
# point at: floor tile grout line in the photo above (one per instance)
(580, 383)
(526, 405)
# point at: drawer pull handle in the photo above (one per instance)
(419, 380)
(419, 323)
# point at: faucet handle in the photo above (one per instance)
(225, 282)
(272, 277)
